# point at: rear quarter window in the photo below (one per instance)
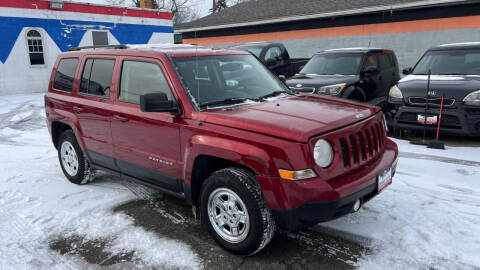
(65, 74)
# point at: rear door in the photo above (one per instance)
(147, 145)
(93, 108)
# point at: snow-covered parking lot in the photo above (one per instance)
(429, 218)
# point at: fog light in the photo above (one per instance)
(357, 205)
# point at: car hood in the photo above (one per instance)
(296, 118)
(310, 80)
(452, 86)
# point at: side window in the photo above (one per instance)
(65, 74)
(35, 48)
(386, 61)
(274, 53)
(97, 77)
(371, 62)
(139, 78)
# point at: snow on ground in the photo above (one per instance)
(429, 218)
(37, 203)
(463, 153)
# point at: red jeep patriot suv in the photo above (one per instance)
(217, 128)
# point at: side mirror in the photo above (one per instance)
(158, 102)
(271, 62)
(282, 78)
(407, 71)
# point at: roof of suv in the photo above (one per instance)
(156, 49)
(256, 44)
(359, 50)
(456, 46)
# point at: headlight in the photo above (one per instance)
(323, 153)
(472, 98)
(332, 90)
(395, 94)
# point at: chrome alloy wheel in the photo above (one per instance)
(69, 158)
(228, 215)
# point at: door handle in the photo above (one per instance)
(121, 118)
(77, 109)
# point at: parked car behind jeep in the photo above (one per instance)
(361, 74)
(455, 75)
(275, 56)
(218, 129)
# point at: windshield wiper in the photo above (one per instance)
(227, 101)
(273, 94)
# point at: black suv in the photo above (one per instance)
(362, 74)
(275, 56)
(455, 75)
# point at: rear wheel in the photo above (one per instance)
(74, 164)
(234, 211)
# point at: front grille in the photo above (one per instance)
(303, 89)
(447, 102)
(363, 146)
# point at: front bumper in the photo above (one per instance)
(300, 204)
(464, 121)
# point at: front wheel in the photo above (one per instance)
(235, 213)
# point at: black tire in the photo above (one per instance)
(84, 172)
(244, 184)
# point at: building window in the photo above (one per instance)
(35, 48)
(99, 38)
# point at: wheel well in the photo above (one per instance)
(57, 129)
(203, 167)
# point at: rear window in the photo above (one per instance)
(97, 77)
(65, 74)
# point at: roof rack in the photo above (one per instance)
(121, 46)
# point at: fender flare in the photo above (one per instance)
(242, 153)
(351, 89)
(71, 120)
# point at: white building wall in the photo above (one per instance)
(17, 76)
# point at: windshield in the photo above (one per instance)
(453, 62)
(226, 79)
(334, 64)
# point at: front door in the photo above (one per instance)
(147, 144)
